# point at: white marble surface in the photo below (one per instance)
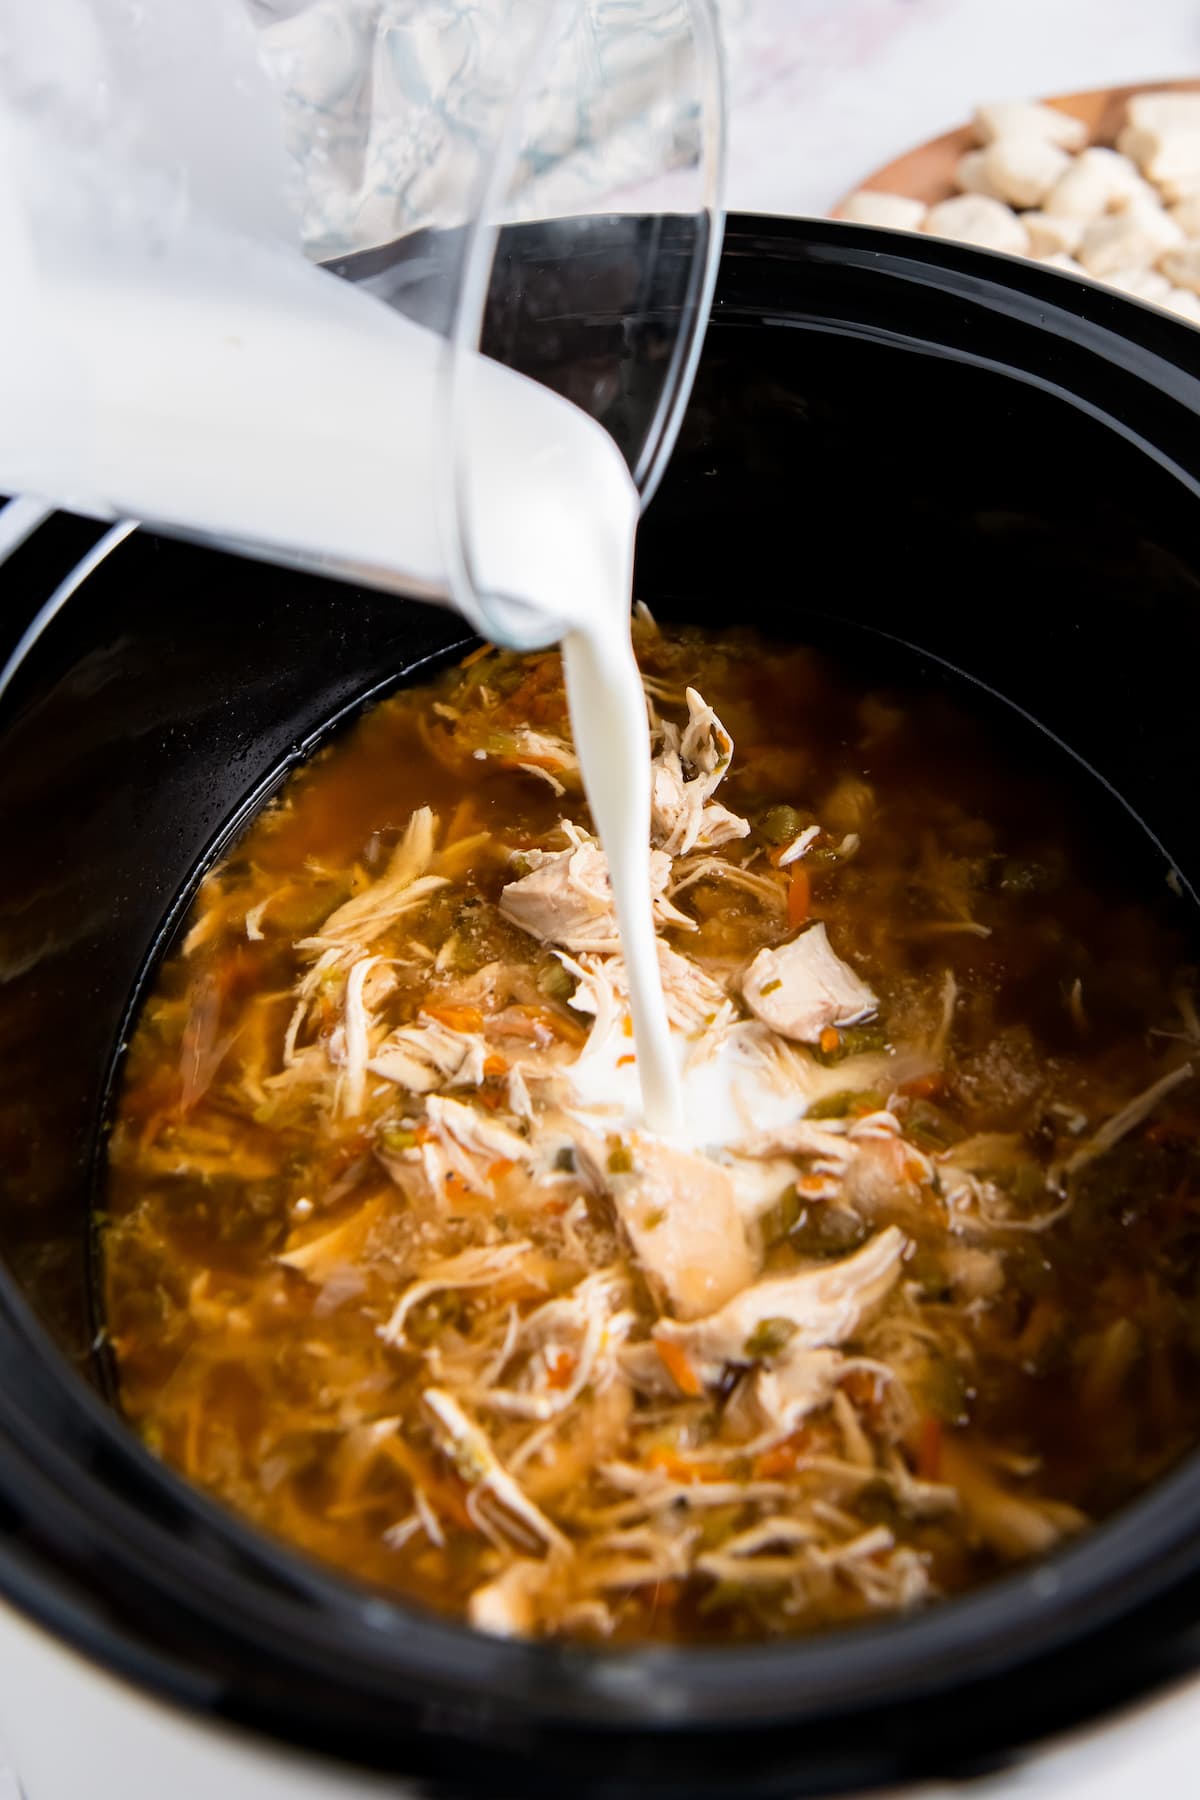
(824, 91)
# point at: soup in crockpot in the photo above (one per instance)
(391, 1268)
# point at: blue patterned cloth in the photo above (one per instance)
(395, 109)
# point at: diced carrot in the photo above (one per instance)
(495, 1065)
(811, 1184)
(830, 1039)
(678, 1366)
(781, 1460)
(922, 1087)
(627, 1025)
(556, 1023)
(500, 1168)
(555, 1208)
(929, 1448)
(457, 1018)
(799, 897)
(863, 1388)
(623, 1060)
(682, 1468)
(561, 1366)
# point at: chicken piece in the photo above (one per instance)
(340, 1246)
(799, 1137)
(894, 212)
(763, 1168)
(1131, 239)
(477, 1267)
(403, 886)
(684, 777)
(694, 1001)
(1182, 267)
(681, 1217)
(355, 1039)
(759, 1184)
(1067, 264)
(778, 1317)
(1026, 119)
(803, 987)
(589, 1324)
(1012, 1524)
(1053, 234)
(510, 1604)
(885, 1176)
(978, 219)
(567, 897)
(682, 817)
(1097, 182)
(474, 1131)
(429, 1055)
(480, 1467)
(537, 753)
(974, 1274)
(786, 1392)
(1021, 170)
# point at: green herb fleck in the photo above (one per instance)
(555, 983)
(780, 824)
(397, 1137)
(769, 1337)
(846, 1100)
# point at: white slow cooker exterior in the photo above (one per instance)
(75, 1732)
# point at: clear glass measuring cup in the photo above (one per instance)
(541, 181)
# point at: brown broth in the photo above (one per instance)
(1031, 1391)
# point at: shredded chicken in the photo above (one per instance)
(566, 898)
(807, 1310)
(395, 1266)
(684, 1226)
(804, 988)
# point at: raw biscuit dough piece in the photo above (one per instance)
(1026, 118)
(1022, 170)
(896, 212)
(977, 219)
(1098, 181)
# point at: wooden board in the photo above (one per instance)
(927, 173)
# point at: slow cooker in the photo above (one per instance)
(990, 470)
